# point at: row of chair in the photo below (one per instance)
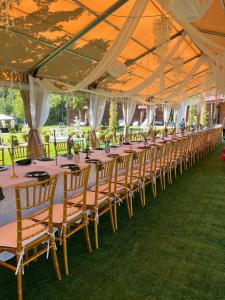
(40, 221)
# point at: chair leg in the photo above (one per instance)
(86, 233)
(131, 205)
(161, 181)
(55, 260)
(65, 258)
(115, 213)
(128, 206)
(154, 189)
(141, 196)
(111, 217)
(96, 232)
(19, 282)
(143, 191)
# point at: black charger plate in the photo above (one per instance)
(24, 162)
(36, 174)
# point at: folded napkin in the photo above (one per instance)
(1, 194)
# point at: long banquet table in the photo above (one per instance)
(8, 205)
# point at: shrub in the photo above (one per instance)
(25, 137)
(15, 140)
(46, 138)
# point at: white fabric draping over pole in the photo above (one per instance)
(181, 86)
(166, 113)
(150, 115)
(36, 106)
(39, 103)
(96, 110)
(128, 106)
(112, 54)
(148, 81)
(182, 112)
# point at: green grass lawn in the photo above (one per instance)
(174, 248)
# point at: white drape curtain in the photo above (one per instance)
(112, 54)
(40, 101)
(150, 114)
(175, 114)
(96, 110)
(182, 112)
(188, 10)
(148, 81)
(181, 86)
(128, 106)
(166, 113)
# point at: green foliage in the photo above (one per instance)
(205, 117)
(46, 138)
(25, 137)
(113, 116)
(11, 103)
(192, 116)
(57, 110)
(15, 140)
(77, 103)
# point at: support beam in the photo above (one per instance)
(77, 36)
(220, 34)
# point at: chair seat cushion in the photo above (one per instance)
(90, 199)
(57, 213)
(8, 233)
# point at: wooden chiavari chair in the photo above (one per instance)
(167, 169)
(135, 183)
(41, 150)
(149, 167)
(120, 188)
(20, 152)
(23, 152)
(159, 166)
(174, 158)
(2, 157)
(68, 217)
(26, 235)
(60, 148)
(99, 198)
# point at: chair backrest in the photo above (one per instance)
(160, 156)
(2, 157)
(34, 201)
(122, 164)
(104, 172)
(60, 147)
(75, 186)
(149, 161)
(168, 153)
(19, 152)
(137, 158)
(40, 150)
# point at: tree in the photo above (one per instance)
(193, 115)
(77, 103)
(205, 116)
(57, 112)
(11, 103)
(113, 116)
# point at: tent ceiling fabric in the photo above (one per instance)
(43, 26)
